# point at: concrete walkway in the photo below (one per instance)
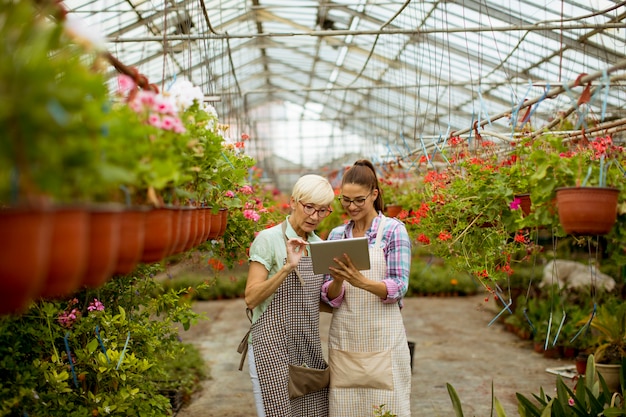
(454, 344)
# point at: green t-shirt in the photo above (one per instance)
(268, 248)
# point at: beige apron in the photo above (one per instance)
(364, 327)
(288, 333)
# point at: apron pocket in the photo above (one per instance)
(360, 369)
(304, 380)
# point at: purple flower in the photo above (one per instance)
(515, 204)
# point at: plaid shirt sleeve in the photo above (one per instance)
(398, 258)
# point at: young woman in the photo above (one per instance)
(284, 296)
(368, 351)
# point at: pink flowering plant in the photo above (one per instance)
(260, 207)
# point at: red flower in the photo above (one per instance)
(422, 238)
(216, 264)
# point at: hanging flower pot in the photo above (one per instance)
(223, 221)
(24, 256)
(208, 224)
(525, 203)
(587, 210)
(158, 236)
(216, 225)
(104, 241)
(180, 232)
(195, 228)
(392, 210)
(132, 236)
(69, 251)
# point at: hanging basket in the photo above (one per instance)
(132, 234)
(104, 243)
(24, 256)
(587, 210)
(525, 203)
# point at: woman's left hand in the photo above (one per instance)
(345, 270)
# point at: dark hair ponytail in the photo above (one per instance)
(363, 173)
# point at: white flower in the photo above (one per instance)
(184, 93)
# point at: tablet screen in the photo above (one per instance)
(322, 253)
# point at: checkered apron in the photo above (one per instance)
(288, 333)
(364, 324)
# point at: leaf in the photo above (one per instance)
(92, 345)
(456, 402)
(499, 409)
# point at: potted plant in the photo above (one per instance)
(468, 214)
(608, 329)
(563, 168)
(53, 118)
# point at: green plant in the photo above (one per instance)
(609, 331)
(458, 407)
(102, 352)
(468, 214)
(590, 398)
(54, 109)
(562, 163)
(379, 411)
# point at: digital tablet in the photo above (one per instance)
(322, 253)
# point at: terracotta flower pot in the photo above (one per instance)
(216, 225)
(525, 203)
(104, 241)
(223, 221)
(158, 236)
(69, 251)
(195, 228)
(182, 223)
(587, 210)
(132, 236)
(208, 224)
(393, 210)
(24, 256)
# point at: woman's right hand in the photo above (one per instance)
(295, 249)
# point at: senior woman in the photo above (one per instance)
(284, 296)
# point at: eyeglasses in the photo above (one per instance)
(359, 202)
(310, 210)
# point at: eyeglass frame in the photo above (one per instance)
(309, 207)
(342, 199)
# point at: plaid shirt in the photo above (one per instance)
(397, 248)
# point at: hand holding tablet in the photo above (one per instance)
(324, 252)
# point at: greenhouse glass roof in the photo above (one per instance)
(317, 84)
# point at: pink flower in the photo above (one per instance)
(571, 402)
(251, 215)
(125, 84)
(168, 122)
(246, 189)
(95, 305)
(229, 194)
(515, 204)
(155, 120)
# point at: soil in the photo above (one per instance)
(455, 343)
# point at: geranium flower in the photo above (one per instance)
(251, 215)
(516, 203)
